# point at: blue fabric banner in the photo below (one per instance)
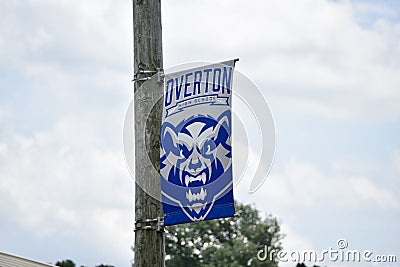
(196, 154)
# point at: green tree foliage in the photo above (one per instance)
(303, 265)
(65, 263)
(70, 263)
(224, 242)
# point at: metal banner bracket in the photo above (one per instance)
(158, 71)
(156, 224)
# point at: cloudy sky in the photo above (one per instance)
(330, 71)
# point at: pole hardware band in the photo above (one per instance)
(156, 224)
(158, 71)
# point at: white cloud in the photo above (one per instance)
(365, 9)
(366, 191)
(396, 159)
(65, 33)
(67, 70)
(312, 57)
(3, 150)
(293, 242)
(69, 182)
(3, 114)
(40, 38)
(310, 187)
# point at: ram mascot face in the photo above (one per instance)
(196, 153)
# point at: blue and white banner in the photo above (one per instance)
(196, 158)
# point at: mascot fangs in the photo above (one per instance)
(194, 154)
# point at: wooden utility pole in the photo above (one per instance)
(149, 243)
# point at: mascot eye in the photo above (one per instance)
(208, 147)
(185, 152)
